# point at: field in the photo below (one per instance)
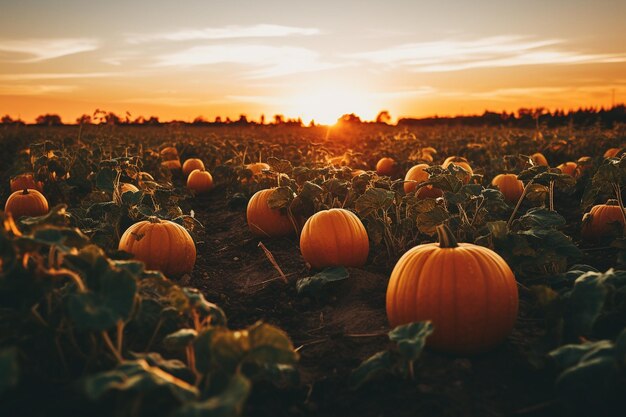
(87, 330)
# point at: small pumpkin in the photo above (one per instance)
(539, 159)
(600, 221)
(461, 163)
(569, 168)
(169, 153)
(26, 203)
(417, 173)
(258, 167)
(191, 164)
(162, 245)
(509, 186)
(25, 181)
(386, 166)
(172, 164)
(334, 237)
(200, 181)
(264, 221)
(613, 153)
(467, 291)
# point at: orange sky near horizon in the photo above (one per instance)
(315, 60)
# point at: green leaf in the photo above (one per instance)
(105, 179)
(270, 345)
(586, 302)
(228, 403)
(197, 301)
(9, 369)
(220, 348)
(411, 338)
(317, 284)
(376, 365)
(427, 222)
(541, 217)
(180, 339)
(310, 191)
(281, 166)
(280, 198)
(374, 199)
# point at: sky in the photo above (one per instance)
(311, 59)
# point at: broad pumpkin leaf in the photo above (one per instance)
(197, 301)
(428, 221)
(228, 403)
(220, 348)
(175, 367)
(374, 199)
(281, 166)
(411, 338)
(180, 339)
(105, 179)
(317, 284)
(541, 217)
(270, 345)
(280, 198)
(532, 172)
(376, 365)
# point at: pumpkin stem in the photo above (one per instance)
(154, 219)
(446, 237)
(25, 192)
(612, 202)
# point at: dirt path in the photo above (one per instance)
(233, 271)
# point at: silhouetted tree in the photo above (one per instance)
(383, 117)
(85, 119)
(49, 120)
(8, 120)
(349, 119)
(152, 120)
(279, 119)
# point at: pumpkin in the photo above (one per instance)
(264, 221)
(169, 153)
(386, 166)
(126, 187)
(200, 181)
(172, 164)
(191, 164)
(26, 203)
(613, 153)
(509, 186)
(569, 168)
(467, 291)
(334, 237)
(600, 221)
(461, 163)
(257, 167)
(417, 173)
(162, 245)
(25, 181)
(539, 159)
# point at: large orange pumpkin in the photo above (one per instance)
(612, 153)
(509, 186)
(26, 203)
(191, 164)
(25, 181)
(200, 181)
(539, 159)
(417, 173)
(162, 245)
(264, 221)
(334, 237)
(460, 162)
(386, 166)
(569, 168)
(467, 291)
(599, 222)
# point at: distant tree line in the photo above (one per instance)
(523, 118)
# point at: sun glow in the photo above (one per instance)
(326, 104)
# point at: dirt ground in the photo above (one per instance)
(335, 335)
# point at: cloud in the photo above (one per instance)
(57, 76)
(263, 61)
(39, 50)
(35, 90)
(226, 32)
(501, 51)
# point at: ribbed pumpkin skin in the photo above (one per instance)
(26, 203)
(191, 164)
(509, 186)
(386, 166)
(334, 237)
(568, 168)
(599, 225)
(539, 159)
(162, 245)
(200, 181)
(612, 153)
(417, 173)
(264, 221)
(468, 292)
(25, 181)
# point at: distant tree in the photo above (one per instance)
(279, 119)
(112, 119)
(85, 119)
(349, 119)
(243, 120)
(199, 121)
(218, 119)
(383, 117)
(262, 121)
(152, 120)
(49, 120)
(139, 120)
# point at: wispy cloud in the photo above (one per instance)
(226, 32)
(262, 61)
(37, 50)
(501, 51)
(57, 76)
(35, 90)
